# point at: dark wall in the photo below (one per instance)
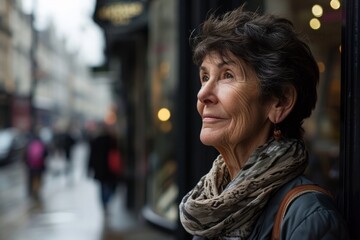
(350, 113)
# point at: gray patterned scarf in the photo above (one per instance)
(218, 208)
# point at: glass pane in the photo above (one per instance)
(320, 22)
(162, 189)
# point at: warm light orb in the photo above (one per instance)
(166, 127)
(321, 67)
(164, 114)
(315, 23)
(317, 10)
(335, 4)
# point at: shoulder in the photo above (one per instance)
(310, 215)
(264, 225)
(313, 216)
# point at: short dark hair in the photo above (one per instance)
(271, 46)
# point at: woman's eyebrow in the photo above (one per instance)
(202, 68)
(219, 65)
(227, 62)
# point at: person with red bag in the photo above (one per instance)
(105, 163)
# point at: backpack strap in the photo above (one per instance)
(288, 199)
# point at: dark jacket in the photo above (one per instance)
(98, 158)
(310, 216)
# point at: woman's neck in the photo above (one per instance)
(235, 157)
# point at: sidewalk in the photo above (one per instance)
(71, 211)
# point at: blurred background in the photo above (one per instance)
(68, 67)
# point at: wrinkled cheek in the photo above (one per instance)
(240, 122)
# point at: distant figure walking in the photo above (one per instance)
(35, 158)
(105, 163)
(63, 143)
(69, 142)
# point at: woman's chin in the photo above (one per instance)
(208, 139)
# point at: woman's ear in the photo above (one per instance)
(281, 108)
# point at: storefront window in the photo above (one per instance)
(162, 190)
(320, 22)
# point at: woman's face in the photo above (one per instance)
(229, 103)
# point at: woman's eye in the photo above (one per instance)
(204, 78)
(228, 75)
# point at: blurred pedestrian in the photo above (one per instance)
(68, 144)
(63, 145)
(105, 163)
(35, 159)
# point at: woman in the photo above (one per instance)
(258, 84)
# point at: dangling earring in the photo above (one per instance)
(277, 132)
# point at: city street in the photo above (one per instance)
(70, 209)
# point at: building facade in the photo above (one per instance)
(6, 77)
(21, 66)
(41, 81)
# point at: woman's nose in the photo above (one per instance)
(206, 94)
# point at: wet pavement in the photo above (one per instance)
(70, 208)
